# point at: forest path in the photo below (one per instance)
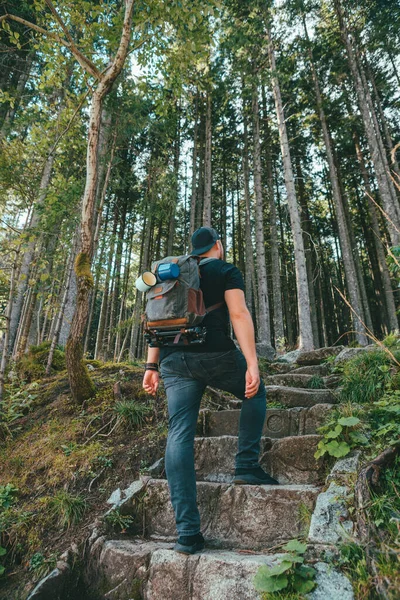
(244, 525)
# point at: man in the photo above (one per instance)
(187, 370)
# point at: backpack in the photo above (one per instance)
(175, 307)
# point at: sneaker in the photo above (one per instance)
(253, 476)
(189, 544)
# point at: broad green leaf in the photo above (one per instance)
(348, 421)
(338, 449)
(295, 546)
(2, 551)
(305, 571)
(335, 432)
(303, 586)
(263, 583)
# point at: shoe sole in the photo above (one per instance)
(239, 481)
(188, 549)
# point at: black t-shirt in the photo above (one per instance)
(217, 276)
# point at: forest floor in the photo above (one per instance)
(59, 462)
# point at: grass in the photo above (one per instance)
(133, 414)
(67, 508)
(365, 376)
(316, 382)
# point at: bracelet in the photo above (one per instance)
(151, 367)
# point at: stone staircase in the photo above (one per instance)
(244, 524)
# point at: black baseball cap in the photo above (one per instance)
(203, 240)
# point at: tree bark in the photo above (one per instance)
(207, 164)
(264, 325)
(383, 268)
(81, 385)
(381, 176)
(305, 328)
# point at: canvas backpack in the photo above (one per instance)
(175, 307)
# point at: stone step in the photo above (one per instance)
(289, 459)
(315, 357)
(135, 568)
(292, 396)
(279, 422)
(240, 516)
(321, 370)
(302, 380)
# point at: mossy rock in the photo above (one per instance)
(32, 365)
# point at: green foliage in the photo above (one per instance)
(8, 495)
(365, 376)
(32, 365)
(115, 519)
(40, 565)
(133, 414)
(290, 574)
(19, 401)
(316, 382)
(340, 435)
(67, 508)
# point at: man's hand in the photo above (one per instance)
(252, 381)
(151, 380)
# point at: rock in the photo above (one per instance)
(123, 500)
(329, 521)
(115, 497)
(157, 468)
(331, 584)
(291, 396)
(279, 422)
(54, 586)
(243, 515)
(265, 351)
(289, 357)
(214, 457)
(291, 460)
(348, 353)
(321, 370)
(345, 466)
(313, 417)
(315, 357)
(90, 367)
(211, 575)
(299, 380)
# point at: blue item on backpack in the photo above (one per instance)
(168, 271)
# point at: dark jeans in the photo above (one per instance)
(185, 376)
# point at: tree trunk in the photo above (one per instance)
(305, 327)
(175, 200)
(383, 268)
(81, 385)
(22, 80)
(249, 274)
(344, 233)
(264, 325)
(207, 165)
(382, 180)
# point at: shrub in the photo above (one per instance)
(67, 508)
(33, 364)
(133, 414)
(365, 377)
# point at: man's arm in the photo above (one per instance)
(151, 379)
(244, 330)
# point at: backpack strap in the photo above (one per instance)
(214, 306)
(207, 259)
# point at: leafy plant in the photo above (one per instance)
(8, 494)
(340, 435)
(67, 508)
(290, 574)
(316, 382)
(41, 565)
(133, 414)
(115, 519)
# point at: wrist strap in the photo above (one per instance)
(151, 367)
